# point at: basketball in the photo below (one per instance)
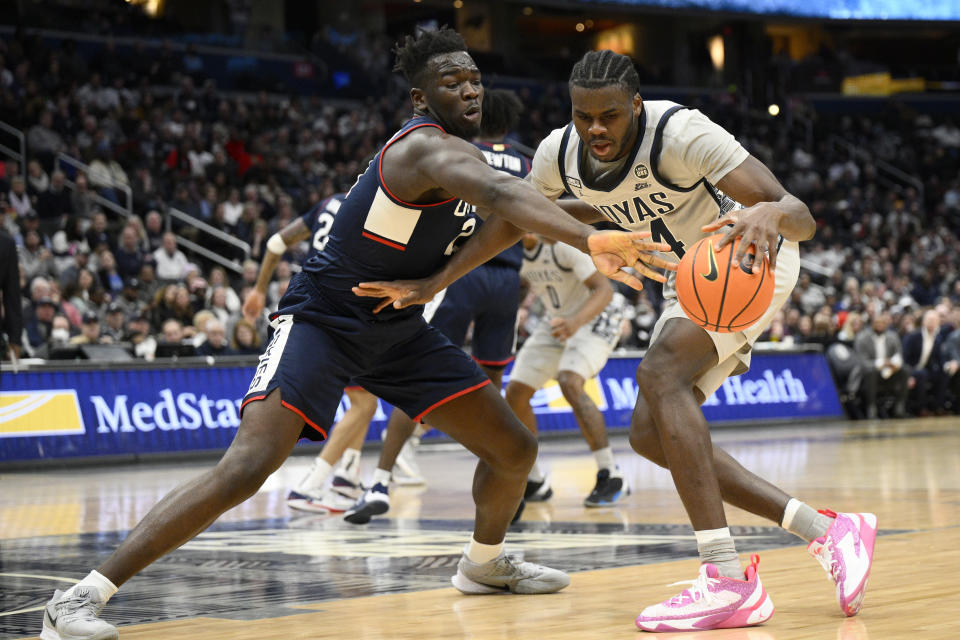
(717, 296)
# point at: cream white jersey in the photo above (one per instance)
(666, 186)
(556, 273)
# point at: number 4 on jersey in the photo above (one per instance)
(660, 233)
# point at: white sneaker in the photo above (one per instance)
(75, 617)
(406, 471)
(504, 574)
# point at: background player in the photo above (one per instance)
(654, 164)
(325, 336)
(580, 328)
(346, 439)
(488, 297)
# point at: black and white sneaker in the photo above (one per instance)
(609, 489)
(374, 502)
(538, 491)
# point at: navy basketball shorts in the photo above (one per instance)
(488, 296)
(408, 364)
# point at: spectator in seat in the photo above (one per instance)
(883, 373)
(923, 355)
(55, 204)
(129, 255)
(216, 343)
(113, 323)
(171, 263)
(40, 324)
(90, 331)
(246, 340)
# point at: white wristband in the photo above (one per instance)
(276, 245)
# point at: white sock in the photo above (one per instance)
(536, 474)
(317, 476)
(350, 464)
(419, 430)
(481, 553)
(716, 546)
(381, 477)
(97, 581)
(804, 521)
(604, 458)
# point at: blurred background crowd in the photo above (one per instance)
(129, 148)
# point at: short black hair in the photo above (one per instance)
(604, 68)
(413, 52)
(501, 112)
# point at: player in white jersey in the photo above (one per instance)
(572, 343)
(657, 165)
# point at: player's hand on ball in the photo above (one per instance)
(758, 226)
(613, 251)
(399, 293)
(253, 305)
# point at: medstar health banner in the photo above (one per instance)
(57, 414)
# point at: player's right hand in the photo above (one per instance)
(253, 305)
(613, 251)
(399, 293)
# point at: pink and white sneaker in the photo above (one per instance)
(846, 554)
(712, 602)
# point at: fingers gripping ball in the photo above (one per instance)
(717, 296)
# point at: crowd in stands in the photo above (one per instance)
(880, 291)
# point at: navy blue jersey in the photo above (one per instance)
(319, 219)
(377, 236)
(503, 157)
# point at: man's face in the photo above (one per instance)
(606, 120)
(452, 93)
(881, 322)
(91, 330)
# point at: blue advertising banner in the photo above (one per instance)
(50, 414)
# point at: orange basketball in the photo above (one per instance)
(717, 296)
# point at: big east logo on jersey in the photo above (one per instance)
(638, 209)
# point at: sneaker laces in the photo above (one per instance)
(698, 589)
(826, 556)
(76, 602)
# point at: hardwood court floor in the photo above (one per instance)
(264, 572)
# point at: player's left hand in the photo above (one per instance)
(758, 226)
(562, 328)
(613, 251)
(399, 293)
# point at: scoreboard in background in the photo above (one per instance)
(86, 413)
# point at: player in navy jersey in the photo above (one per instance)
(340, 456)
(488, 297)
(397, 221)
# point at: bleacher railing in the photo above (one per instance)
(894, 175)
(78, 166)
(198, 248)
(18, 155)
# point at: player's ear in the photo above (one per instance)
(419, 99)
(637, 104)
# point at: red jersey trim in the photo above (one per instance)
(375, 238)
(419, 418)
(380, 169)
